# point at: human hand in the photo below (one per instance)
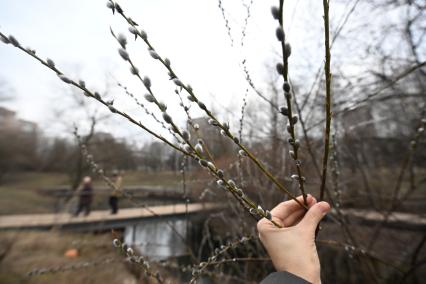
(292, 248)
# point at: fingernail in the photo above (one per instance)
(324, 206)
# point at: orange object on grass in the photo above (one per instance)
(71, 253)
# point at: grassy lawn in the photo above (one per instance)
(18, 195)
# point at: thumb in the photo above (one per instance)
(314, 215)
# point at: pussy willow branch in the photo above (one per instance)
(240, 135)
(254, 88)
(93, 95)
(202, 106)
(287, 95)
(195, 127)
(138, 259)
(148, 112)
(327, 98)
(237, 193)
(246, 19)
(199, 269)
(228, 27)
(306, 137)
(147, 86)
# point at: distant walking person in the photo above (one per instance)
(85, 196)
(113, 198)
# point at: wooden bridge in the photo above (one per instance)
(102, 219)
(396, 220)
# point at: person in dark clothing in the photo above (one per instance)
(113, 198)
(292, 248)
(85, 197)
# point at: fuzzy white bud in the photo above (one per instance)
(143, 34)
(242, 153)
(13, 40)
(150, 98)
(286, 87)
(154, 54)
(287, 50)
(199, 148)
(211, 166)
(231, 183)
(116, 243)
(50, 63)
(64, 78)
(280, 68)
(133, 30)
(130, 252)
(122, 40)
(112, 109)
(202, 106)
(147, 82)
(275, 12)
(162, 106)
(4, 40)
(167, 118)
(187, 148)
(134, 70)
(123, 53)
(167, 62)
(220, 173)
(178, 82)
(279, 32)
(110, 4)
(203, 163)
(185, 135)
(260, 210)
(240, 192)
(284, 111)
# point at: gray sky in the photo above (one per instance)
(75, 34)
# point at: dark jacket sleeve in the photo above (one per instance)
(283, 277)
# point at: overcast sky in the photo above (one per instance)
(75, 34)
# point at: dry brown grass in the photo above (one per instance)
(21, 252)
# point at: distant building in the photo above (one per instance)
(10, 122)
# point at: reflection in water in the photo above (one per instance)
(156, 239)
